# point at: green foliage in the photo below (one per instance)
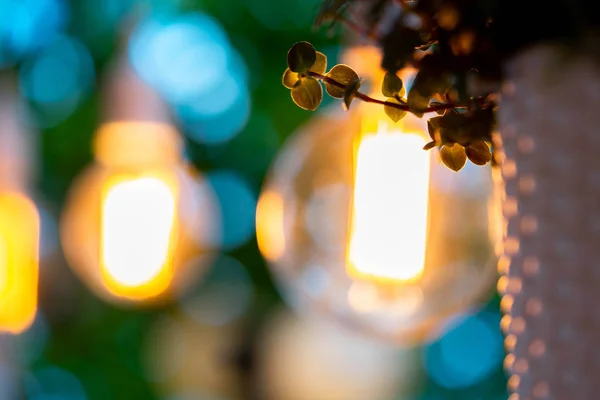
(449, 43)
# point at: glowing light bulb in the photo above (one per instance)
(137, 221)
(359, 223)
(388, 234)
(19, 242)
(138, 217)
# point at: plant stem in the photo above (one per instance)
(368, 99)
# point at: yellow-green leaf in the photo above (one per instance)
(453, 156)
(395, 114)
(290, 79)
(308, 94)
(320, 65)
(342, 74)
(479, 153)
(301, 57)
(392, 85)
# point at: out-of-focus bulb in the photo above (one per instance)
(142, 208)
(390, 202)
(137, 221)
(19, 242)
(356, 222)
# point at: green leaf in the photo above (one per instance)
(320, 65)
(290, 79)
(479, 153)
(350, 93)
(395, 114)
(392, 85)
(343, 74)
(301, 57)
(453, 156)
(308, 94)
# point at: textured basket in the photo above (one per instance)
(549, 121)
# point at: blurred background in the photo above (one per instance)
(142, 107)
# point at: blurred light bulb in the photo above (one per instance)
(133, 222)
(19, 237)
(137, 220)
(304, 358)
(141, 208)
(355, 223)
(19, 218)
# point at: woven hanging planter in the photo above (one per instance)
(549, 119)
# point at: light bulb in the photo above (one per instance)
(19, 242)
(19, 218)
(139, 222)
(360, 223)
(389, 221)
(138, 217)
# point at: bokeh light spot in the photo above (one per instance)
(181, 58)
(225, 295)
(58, 77)
(53, 383)
(467, 353)
(27, 25)
(237, 201)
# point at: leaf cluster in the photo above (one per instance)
(459, 133)
(458, 48)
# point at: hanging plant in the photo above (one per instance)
(458, 48)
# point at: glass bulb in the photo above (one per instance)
(361, 224)
(138, 220)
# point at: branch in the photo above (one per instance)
(368, 99)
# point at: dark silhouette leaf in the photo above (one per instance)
(392, 85)
(417, 102)
(350, 93)
(479, 153)
(429, 145)
(301, 57)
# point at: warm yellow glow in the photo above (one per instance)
(389, 207)
(137, 235)
(19, 237)
(269, 225)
